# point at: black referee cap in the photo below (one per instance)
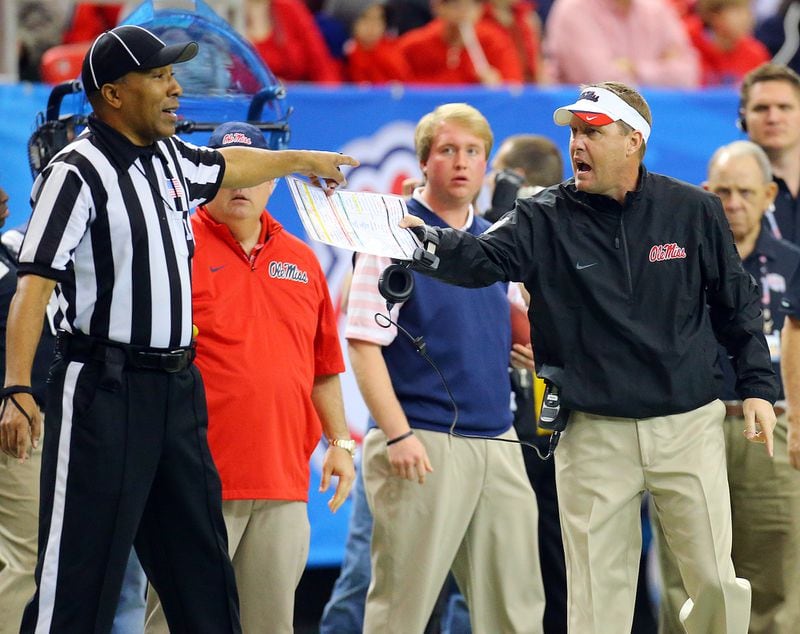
(127, 48)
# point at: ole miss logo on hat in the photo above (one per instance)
(236, 137)
(589, 95)
(237, 133)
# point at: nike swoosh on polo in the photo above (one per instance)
(214, 269)
(580, 266)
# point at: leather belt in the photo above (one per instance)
(81, 347)
(735, 409)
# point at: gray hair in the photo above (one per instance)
(744, 148)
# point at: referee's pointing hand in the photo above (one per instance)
(325, 168)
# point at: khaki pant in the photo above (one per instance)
(268, 543)
(603, 466)
(765, 500)
(19, 525)
(476, 514)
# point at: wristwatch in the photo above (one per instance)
(348, 444)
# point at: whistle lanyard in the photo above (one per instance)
(766, 297)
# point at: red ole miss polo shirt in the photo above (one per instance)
(266, 330)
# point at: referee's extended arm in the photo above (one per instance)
(25, 318)
(246, 167)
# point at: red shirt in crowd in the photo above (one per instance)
(266, 329)
(433, 60)
(523, 33)
(724, 67)
(382, 63)
(296, 50)
(90, 20)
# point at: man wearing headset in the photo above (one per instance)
(770, 115)
(632, 276)
(765, 492)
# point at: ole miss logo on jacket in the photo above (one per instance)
(668, 251)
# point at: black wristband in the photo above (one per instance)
(15, 389)
(410, 432)
(7, 396)
(421, 232)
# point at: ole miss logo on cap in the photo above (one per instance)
(236, 137)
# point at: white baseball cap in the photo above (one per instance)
(599, 106)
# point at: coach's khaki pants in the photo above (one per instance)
(476, 513)
(603, 466)
(268, 544)
(19, 527)
(765, 499)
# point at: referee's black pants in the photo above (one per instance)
(126, 461)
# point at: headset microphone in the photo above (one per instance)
(741, 122)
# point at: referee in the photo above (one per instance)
(125, 459)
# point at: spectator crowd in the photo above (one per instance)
(668, 43)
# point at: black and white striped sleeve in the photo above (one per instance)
(62, 208)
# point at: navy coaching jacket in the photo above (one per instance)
(627, 301)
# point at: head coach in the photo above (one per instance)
(125, 459)
(633, 277)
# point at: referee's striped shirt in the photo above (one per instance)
(110, 224)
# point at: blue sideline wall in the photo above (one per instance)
(376, 125)
(688, 126)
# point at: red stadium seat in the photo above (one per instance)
(62, 63)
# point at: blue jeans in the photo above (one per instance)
(129, 618)
(344, 612)
(455, 619)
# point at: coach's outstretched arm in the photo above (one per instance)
(468, 260)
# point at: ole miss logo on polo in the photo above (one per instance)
(668, 251)
(287, 271)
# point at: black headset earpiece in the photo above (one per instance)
(396, 284)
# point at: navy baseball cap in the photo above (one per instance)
(129, 48)
(237, 133)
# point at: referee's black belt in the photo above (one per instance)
(84, 348)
